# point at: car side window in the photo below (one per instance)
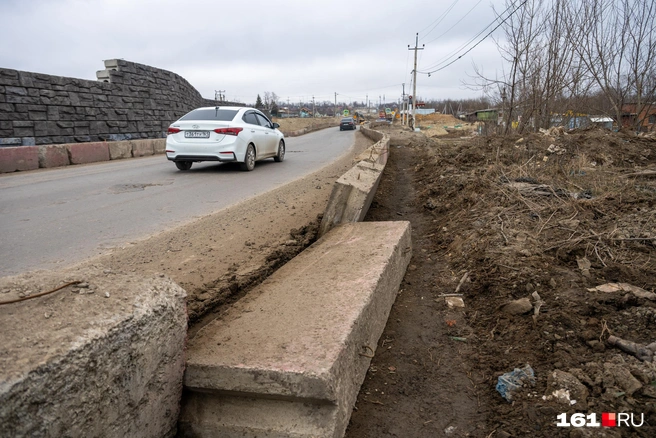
(250, 118)
(263, 120)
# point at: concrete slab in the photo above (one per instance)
(142, 148)
(53, 156)
(19, 158)
(289, 359)
(159, 145)
(119, 150)
(352, 195)
(83, 153)
(105, 359)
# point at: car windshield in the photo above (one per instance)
(347, 120)
(223, 115)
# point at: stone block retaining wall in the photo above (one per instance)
(128, 101)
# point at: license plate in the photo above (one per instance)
(197, 134)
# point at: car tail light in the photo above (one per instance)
(172, 130)
(228, 131)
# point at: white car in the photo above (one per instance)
(226, 134)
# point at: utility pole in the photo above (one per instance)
(313, 107)
(403, 106)
(335, 103)
(414, 80)
(218, 96)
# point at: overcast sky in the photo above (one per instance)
(295, 48)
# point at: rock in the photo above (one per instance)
(596, 346)
(619, 376)
(566, 388)
(582, 376)
(517, 307)
(649, 391)
(552, 283)
(589, 335)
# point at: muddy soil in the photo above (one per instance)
(523, 230)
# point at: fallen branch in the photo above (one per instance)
(39, 294)
(462, 281)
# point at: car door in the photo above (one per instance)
(270, 137)
(256, 132)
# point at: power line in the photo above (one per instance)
(471, 40)
(480, 41)
(438, 20)
(455, 24)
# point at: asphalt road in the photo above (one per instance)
(58, 217)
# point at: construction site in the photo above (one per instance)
(533, 253)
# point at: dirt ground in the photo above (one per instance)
(535, 222)
(522, 229)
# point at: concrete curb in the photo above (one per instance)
(13, 159)
(20, 158)
(353, 192)
(290, 358)
(106, 360)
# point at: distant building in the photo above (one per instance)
(646, 118)
(602, 122)
(571, 120)
(484, 115)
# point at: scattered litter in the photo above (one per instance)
(511, 381)
(638, 292)
(450, 322)
(454, 301)
(537, 305)
(458, 338)
(561, 395)
(464, 278)
(584, 265)
(553, 149)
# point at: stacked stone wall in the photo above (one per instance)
(128, 101)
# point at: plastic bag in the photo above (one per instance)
(514, 380)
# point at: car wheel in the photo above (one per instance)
(249, 159)
(340, 128)
(281, 152)
(183, 165)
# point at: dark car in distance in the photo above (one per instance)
(347, 123)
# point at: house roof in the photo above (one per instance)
(600, 119)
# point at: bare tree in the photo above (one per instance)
(617, 46)
(270, 98)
